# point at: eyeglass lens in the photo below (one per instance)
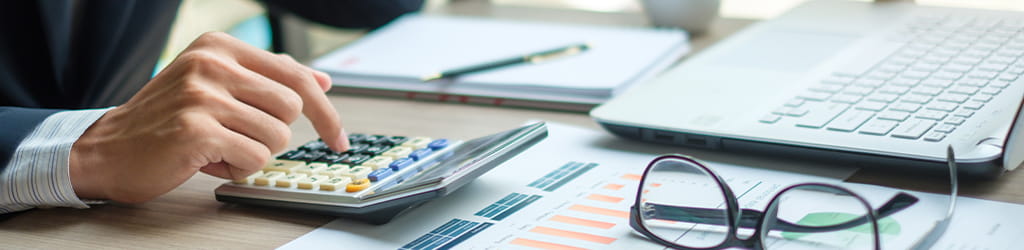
(683, 204)
(836, 219)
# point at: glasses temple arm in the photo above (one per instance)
(749, 217)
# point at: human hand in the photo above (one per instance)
(221, 107)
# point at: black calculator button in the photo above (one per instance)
(373, 139)
(293, 155)
(314, 146)
(376, 149)
(312, 156)
(357, 148)
(332, 158)
(394, 140)
(356, 159)
(356, 138)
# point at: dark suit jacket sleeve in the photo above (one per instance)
(347, 13)
(17, 124)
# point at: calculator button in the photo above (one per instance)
(289, 180)
(332, 158)
(379, 174)
(419, 154)
(267, 178)
(373, 139)
(314, 146)
(335, 170)
(395, 140)
(356, 148)
(397, 152)
(378, 162)
(312, 182)
(285, 166)
(312, 156)
(336, 183)
(438, 144)
(358, 185)
(418, 142)
(248, 179)
(311, 168)
(356, 159)
(376, 149)
(355, 138)
(400, 164)
(357, 172)
(292, 155)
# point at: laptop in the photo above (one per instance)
(871, 84)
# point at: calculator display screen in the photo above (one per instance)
(471, 155)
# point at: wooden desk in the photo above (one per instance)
(189, 217)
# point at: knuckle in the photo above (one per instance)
(293, 104)
(213, 37)
(200, 61)
(282, 135)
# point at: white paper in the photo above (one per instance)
(399, 54)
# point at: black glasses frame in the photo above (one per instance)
(749, 218)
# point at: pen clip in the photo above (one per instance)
(537, 58)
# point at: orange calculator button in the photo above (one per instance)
(358, 185)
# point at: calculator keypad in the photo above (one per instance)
(370, 160)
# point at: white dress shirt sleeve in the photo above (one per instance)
(37, 174)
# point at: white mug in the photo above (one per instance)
(694, 16)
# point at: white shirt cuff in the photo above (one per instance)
(38, 173)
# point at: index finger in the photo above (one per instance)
(299, 78)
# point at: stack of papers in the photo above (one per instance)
(393, 59)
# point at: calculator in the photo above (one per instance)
(379, 177)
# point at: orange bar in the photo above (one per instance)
(601, 211)
(582, 222)
(543, 245)
(655, 184)
(604, 198)
(573, 235)
(614, 186)
(634, 177)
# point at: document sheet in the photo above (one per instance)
(573, 191)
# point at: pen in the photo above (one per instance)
(535, 57)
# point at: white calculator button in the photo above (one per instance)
(358, 172)
(311, 168)
(312, 182)
(267, 178)
(418, 142)
(336, 170)
(378, 162)
(397, 152)
(336, 183)
(289, 180)
(285, 166)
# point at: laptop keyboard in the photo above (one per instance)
(921, 82)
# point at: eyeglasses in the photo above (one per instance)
(683, 204)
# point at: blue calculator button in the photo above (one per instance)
(400, 164)
(438, 144)
(379, 174)
(419, 154)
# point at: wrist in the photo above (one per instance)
(86, 182)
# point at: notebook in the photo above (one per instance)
(393, 59)
(886, 85)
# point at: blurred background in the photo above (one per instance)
(246, 19)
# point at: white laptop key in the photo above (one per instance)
(894, 115)
(942, 106)
(916, 98)
(945, 128)
(850, 120)
(872, 106)
(820, 116)
(905, 107)
(975, 105)
(815, 96)
(934, 136)
(913, 128)
(770, 118)
(878, 127)
(956, 98)
(931, 115)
